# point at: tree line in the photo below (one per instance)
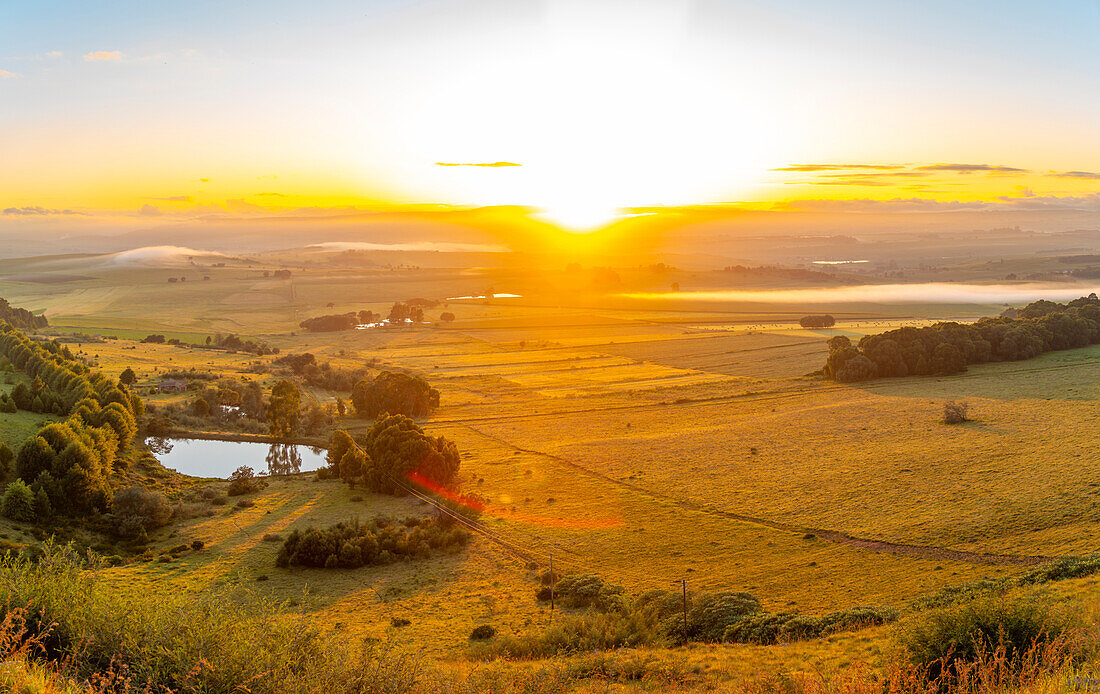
(67, 465)
(20, 317)
(949, 347)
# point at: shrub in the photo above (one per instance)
(483, 633)
(244, 481)
(381, 541)
(955, 412)
(584, 590)
(197, 545)
(399, 622)
(945, 640)
(138, 509)
(18, 502)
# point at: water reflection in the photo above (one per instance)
(159, 445)
(211, 458)
(283, 459)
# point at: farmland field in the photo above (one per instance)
(647, 444)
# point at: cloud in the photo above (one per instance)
(270, 195)
(176, 198)
(150, 211)
(103, 55)
(490, 165)
(35, 210)
(971, 168)
(837, 167)
(1075, 174)
(887, 178)
(4, 74)
(54, 54)
(204, 180)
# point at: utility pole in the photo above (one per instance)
(552, 581)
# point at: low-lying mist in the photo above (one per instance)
(926, 293)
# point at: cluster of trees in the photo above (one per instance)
(947, 348)
(247, 398)
(69, 463)
(21, 318)
(825, 321)
(394, 393)
(380, 541)
(400, 312)
(394, 451)
(235, 343)
(322, 375)
(230, 342)
(403, 312)
(332, 323)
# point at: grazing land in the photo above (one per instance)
(647, 444)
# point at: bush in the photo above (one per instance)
(137, 509)
(18, 502)
(381, 541)
(483, 633)
(955, 412)
(244, 481)
(946, 640)
(584, 590)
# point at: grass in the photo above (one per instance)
(643, 425)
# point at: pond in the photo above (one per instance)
(205, 458)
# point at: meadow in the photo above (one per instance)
(647, 444)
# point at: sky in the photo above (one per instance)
(580, 111)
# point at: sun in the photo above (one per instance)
(579, 217)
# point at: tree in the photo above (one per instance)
(18, 502)
(394, 393)
(7, 457)
(128, 377)
(825, 321)
(35, 457)
(354, 465)
(446, 316)
(397, 447)
(43, 509)
(284, 410)
(338, 445)
(200, 407)
(858, 368)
